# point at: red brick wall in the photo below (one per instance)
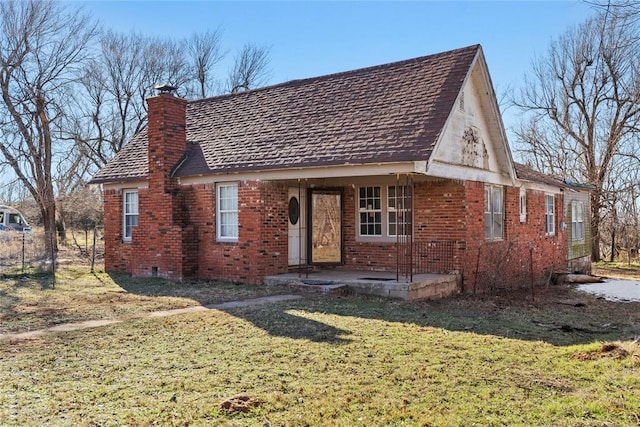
(454, 211)
(189, 247)
(261, 249)
(444, 210)
(358, 255)
(439, 214)
(525, 254)
(117, 256)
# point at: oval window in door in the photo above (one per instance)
(294, 210)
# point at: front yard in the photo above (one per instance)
(563, 359)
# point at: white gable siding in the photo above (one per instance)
(472, 145)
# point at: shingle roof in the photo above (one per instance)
(529, 174)
(387, 113)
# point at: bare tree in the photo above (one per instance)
(250, 69)
(582, 103)
(112, 107)
(72, 170)
(204, 51)
(118, 81)
(42, 47)
(620, 219)
(12, 190)
(618, 9)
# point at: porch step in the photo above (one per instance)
(432, 286)
(423, 286)
(319, 288)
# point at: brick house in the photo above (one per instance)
(402, 167)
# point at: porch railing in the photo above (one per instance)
(435, 256)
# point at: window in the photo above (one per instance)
(227, 212)
(493, 212)
(577, 221)
(550, 214)
(523, 205)
(130, 213)
(15, 218)
(398, 209)
(384, 211)
(370, 211)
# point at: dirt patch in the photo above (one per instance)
(240, 403)
(606, 350)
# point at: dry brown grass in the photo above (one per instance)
(487, 360)
(29, 302)
(621, 270)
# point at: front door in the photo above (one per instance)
(326, 227)
(297, 226)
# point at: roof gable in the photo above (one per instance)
(388, 113)
(473, 144)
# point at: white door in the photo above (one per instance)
(297, 226)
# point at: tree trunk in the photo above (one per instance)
(595, 226)
(612, 257)
(50, 238)
(614, 222)
(61, 224)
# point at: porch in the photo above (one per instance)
(381, 283)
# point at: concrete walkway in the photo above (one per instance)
(87, 324)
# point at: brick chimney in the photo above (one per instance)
(163, 224)
(167, 138)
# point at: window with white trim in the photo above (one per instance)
(398, 210)
(129, 213)
(577, 221)
(227, 212)
(523, 205)
(493, 212)
(370, 211)
(384, 211)
(550, 214)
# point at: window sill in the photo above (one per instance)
(227, 241)
(380, 239)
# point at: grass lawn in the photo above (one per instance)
(623, 270)
(564, 359)
(34, 302)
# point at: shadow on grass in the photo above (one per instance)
(559, 315)
(44, 279)
(271, 317)
(277, 322)
(203, 292)
(566, 318)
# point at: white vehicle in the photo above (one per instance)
(12, 219)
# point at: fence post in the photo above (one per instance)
(475, 282)
(533, 296)
(93, 250)
(23, 253)
(53, 259)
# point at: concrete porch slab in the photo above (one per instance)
(423, 286)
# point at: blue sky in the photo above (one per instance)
(314, 38)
